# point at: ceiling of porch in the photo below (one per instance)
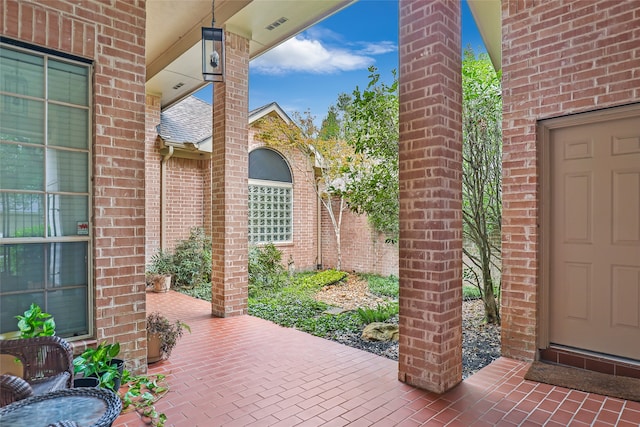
(173, 48)
(173, 33)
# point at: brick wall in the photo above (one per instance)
(430, 346)
(111, 34)
(558, 58)
(185, 198)
(363, 249)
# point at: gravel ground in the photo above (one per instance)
(480, 342)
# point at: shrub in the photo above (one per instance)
(265, 268)
(192, 259)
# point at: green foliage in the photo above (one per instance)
(142, 391)
(161, 263)
(98, 362)
(265, 268)
(36, 323)
(482, 176)
(330, 128)
(316, 281)
(168, 332)
(192, 259)
(294, 305)
(379, 314)
(326, 325)
(383, 286)
(371, 122)
(201, 291)
(286, 310)
(470, 292)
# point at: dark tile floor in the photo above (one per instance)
(245, 371)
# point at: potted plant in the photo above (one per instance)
(36, 323)
(101, 362)
(162, 336)
(160, 270)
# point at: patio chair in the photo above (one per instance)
(47, 365)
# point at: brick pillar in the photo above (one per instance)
(152, 159)
(229, 183)
(430, 265)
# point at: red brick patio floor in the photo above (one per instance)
(245, 371)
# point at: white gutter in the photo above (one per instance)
(163, 196)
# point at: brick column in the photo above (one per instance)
(229, 182)
(152, 159)
(430, 264)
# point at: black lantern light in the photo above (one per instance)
(212, 52)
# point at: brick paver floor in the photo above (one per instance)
(245, 371)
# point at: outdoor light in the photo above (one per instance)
(212, 52)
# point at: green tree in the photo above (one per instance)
(481, 186)
(370, 122)
(329, 158)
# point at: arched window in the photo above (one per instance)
(270, 197)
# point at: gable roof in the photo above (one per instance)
(188, 121)
(260, 112)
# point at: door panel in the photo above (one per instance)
(594, 267)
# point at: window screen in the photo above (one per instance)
(44, 188)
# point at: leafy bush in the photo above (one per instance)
(265, 268)
(383, 286)
(161, 263)
(192, 259)
(379, 314)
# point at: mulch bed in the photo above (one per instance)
(480, 341)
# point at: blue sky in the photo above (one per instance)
(309, 71)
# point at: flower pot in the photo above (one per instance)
(153, 348)
(119, 363)
(91, 382)
(161, 283)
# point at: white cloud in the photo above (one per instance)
(305, 55)
(378, 48)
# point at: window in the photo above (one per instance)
(270, 198)
(45, 159)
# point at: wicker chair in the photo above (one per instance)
(47, 366)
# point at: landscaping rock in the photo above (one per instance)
(377, 331)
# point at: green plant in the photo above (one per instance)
(192, 260)
(36, 323)
(379, 314)
(383, 286)
(168, 332)
(142, 392)
(265, 268)
(98, 362)
(161, 263)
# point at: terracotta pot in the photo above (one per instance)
(161, 283)
(153, 348)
